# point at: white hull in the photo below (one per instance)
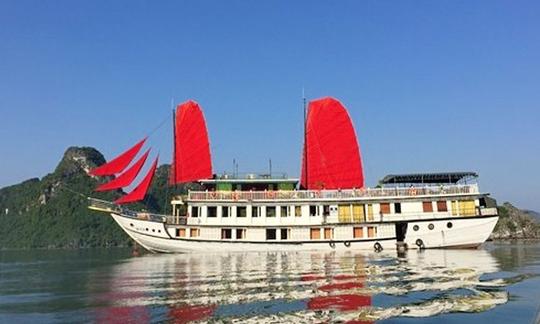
(465, 232)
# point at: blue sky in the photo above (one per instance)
(430, 85)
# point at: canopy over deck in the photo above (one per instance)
(442, 177)
(255, 182)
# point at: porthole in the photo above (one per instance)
(431, 226)
(153, 230)
(147, 229)
(449, 225)
(416, 228)
(131, 224)
(159, 231)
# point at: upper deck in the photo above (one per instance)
(365, 193)
(272, 187)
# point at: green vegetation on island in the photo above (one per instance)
(52, 212)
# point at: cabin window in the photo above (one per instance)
(328, 233)
(312, 210)
(326, 210)
(270, 233)
(211, 211)
(284, 210)
(397, 208)
(371, 231)
(194, 232)
(255, 211)
(358, 212)
(240, 233)
(385, 208)
(298, 211)
(441, 206)
(270, 211)
(344, 213)
(369, 212)
(315, 234)
(226, 234)
(482, 202)
(241, 211)
(225, 211)
(358, 232)
(181, 232)
(467, 208)
(284, 233)
(194, 211)
(427, 206)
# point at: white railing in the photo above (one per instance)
(110, 207)
(331, 194)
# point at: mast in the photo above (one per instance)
(305, 138)
(172, 172)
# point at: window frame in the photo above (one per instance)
(239, 208)
(224, 232)
(386, 209)
(427, 206)
(227, 213)
(269, 230)
(440, 203)
(287, 234)
(271, 208)
(214, 209)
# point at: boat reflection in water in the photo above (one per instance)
(302, 286)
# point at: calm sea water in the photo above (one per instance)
(497, 284)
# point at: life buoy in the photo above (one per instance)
(420, 244)
(412, 191)
(235, 196)
(347, 243)
(332, 245)
(213, 195)
(377, 247)
(270, 194)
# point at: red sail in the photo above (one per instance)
(140, 191)
(333, 155)
(191, 157)
(126, 178)
(119, 163)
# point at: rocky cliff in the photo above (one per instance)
(515, 223)
(52, 212)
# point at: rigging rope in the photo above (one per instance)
(155, 129)
(63, 186)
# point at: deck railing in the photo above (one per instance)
(332, 194)
(110, 207)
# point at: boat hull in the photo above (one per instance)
(460, 232)
(465, 232)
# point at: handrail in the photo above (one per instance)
(107, 206)
(331, 194)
